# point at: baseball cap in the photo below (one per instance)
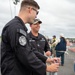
(62, 35)
(54, 35)
(37, 21)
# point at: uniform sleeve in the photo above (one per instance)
(40, 55)
(36, 52)
(47, 47)
(25, 55)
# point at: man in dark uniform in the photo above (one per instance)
(37, 40)
(17, 58)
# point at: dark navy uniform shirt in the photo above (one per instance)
(39, 43)
(17, 58)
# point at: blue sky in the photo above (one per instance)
(58, 16)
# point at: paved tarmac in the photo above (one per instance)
(68, 68)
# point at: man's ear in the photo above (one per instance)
(30, 10)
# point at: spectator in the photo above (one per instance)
(61, 48)
(38, 41)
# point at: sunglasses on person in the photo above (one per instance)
(35, 10)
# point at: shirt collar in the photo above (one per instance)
(22, 22)
(34, 37)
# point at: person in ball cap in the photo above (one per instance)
(42, 42)
(36, 21)
(61, 35)
(37, 40)
(54, 38)
(61, 48)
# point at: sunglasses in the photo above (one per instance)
(35, 10)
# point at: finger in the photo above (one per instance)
(56, 70)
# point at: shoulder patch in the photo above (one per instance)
(22, 40)
(42, 39)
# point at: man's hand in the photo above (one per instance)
(48, 60)
(53, 67)
(53, 60)
(48, 53)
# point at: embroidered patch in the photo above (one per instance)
(22, 40)
(42, 39)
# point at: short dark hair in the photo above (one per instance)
(30, 3)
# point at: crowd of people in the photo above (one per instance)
(60, 47)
